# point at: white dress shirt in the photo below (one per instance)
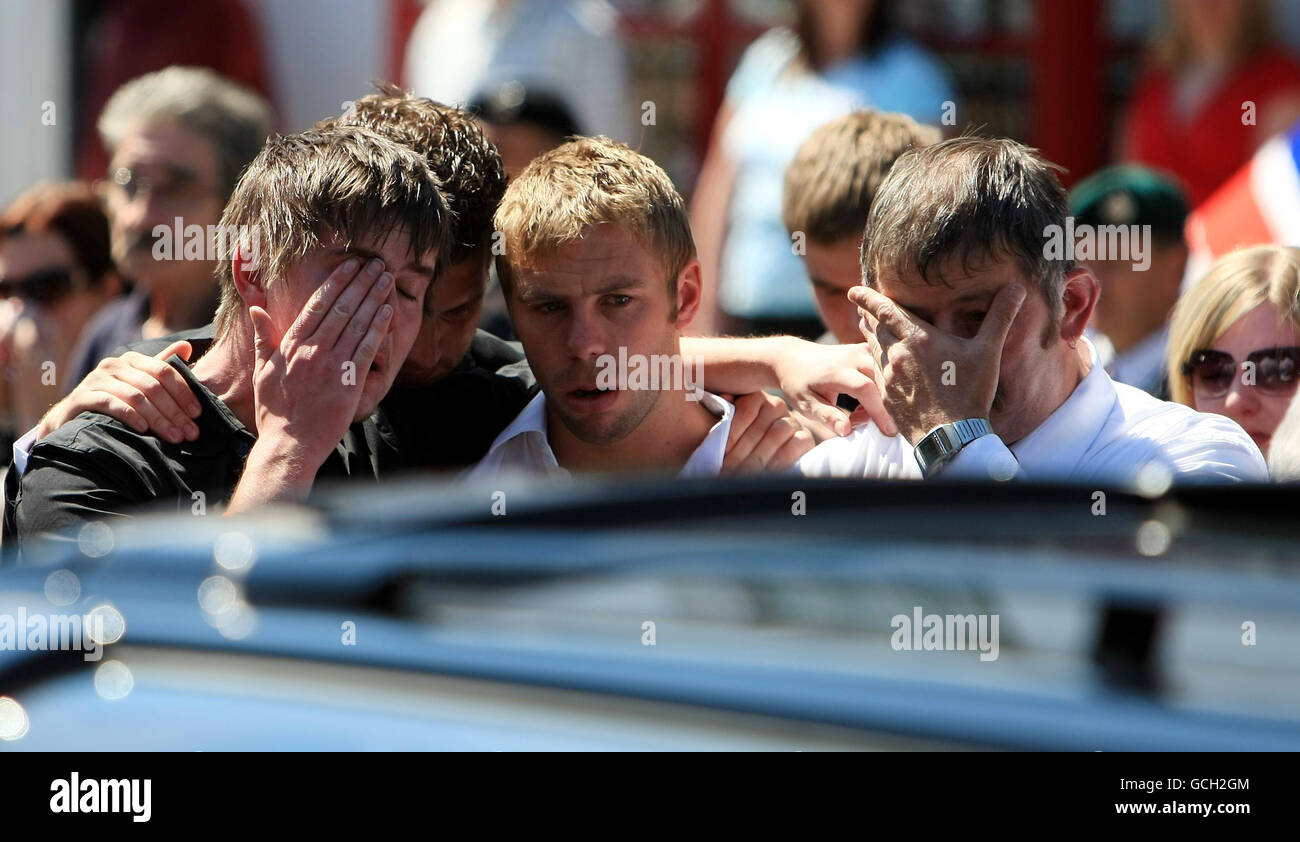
(1104, 432)
(522, 448)
(22, 449)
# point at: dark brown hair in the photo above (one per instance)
(458, 152)
(876, 27)
(972, 198)
(304, 190)
(71, 210)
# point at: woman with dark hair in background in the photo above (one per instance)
(55, 273)
(841, 55)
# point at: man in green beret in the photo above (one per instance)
(1132, 313)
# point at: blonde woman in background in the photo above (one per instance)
(1234, 342)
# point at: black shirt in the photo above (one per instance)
(96, 467)
(443, 426)
(450, 424)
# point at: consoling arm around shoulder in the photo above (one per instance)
(65, 487)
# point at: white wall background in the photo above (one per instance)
(34, 69)
(321, 53)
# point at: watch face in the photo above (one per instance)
(935, 449)
(944, 442)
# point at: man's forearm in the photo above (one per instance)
(738, 366)
(275, 472)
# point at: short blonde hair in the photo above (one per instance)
(836, 172)
(1237, 283)
(587, 182)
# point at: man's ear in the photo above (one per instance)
(689, 289)
(1080, 297)
(248, 278)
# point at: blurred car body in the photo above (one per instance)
(710, 615)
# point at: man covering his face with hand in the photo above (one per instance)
(309, 337)
(978, 339)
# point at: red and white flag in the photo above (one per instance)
(1259, 204)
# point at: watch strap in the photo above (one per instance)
(937, 447)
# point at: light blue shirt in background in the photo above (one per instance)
(775, 108)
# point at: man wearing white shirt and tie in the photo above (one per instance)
(599, 269)
(976, 318)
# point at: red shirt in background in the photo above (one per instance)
(1208, 148)
(132, 38)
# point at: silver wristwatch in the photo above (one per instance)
(945, 441)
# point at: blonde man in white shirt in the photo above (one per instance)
(975, 312)
(600, 276)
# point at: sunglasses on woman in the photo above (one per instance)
(43, 287)
(1275, 371)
